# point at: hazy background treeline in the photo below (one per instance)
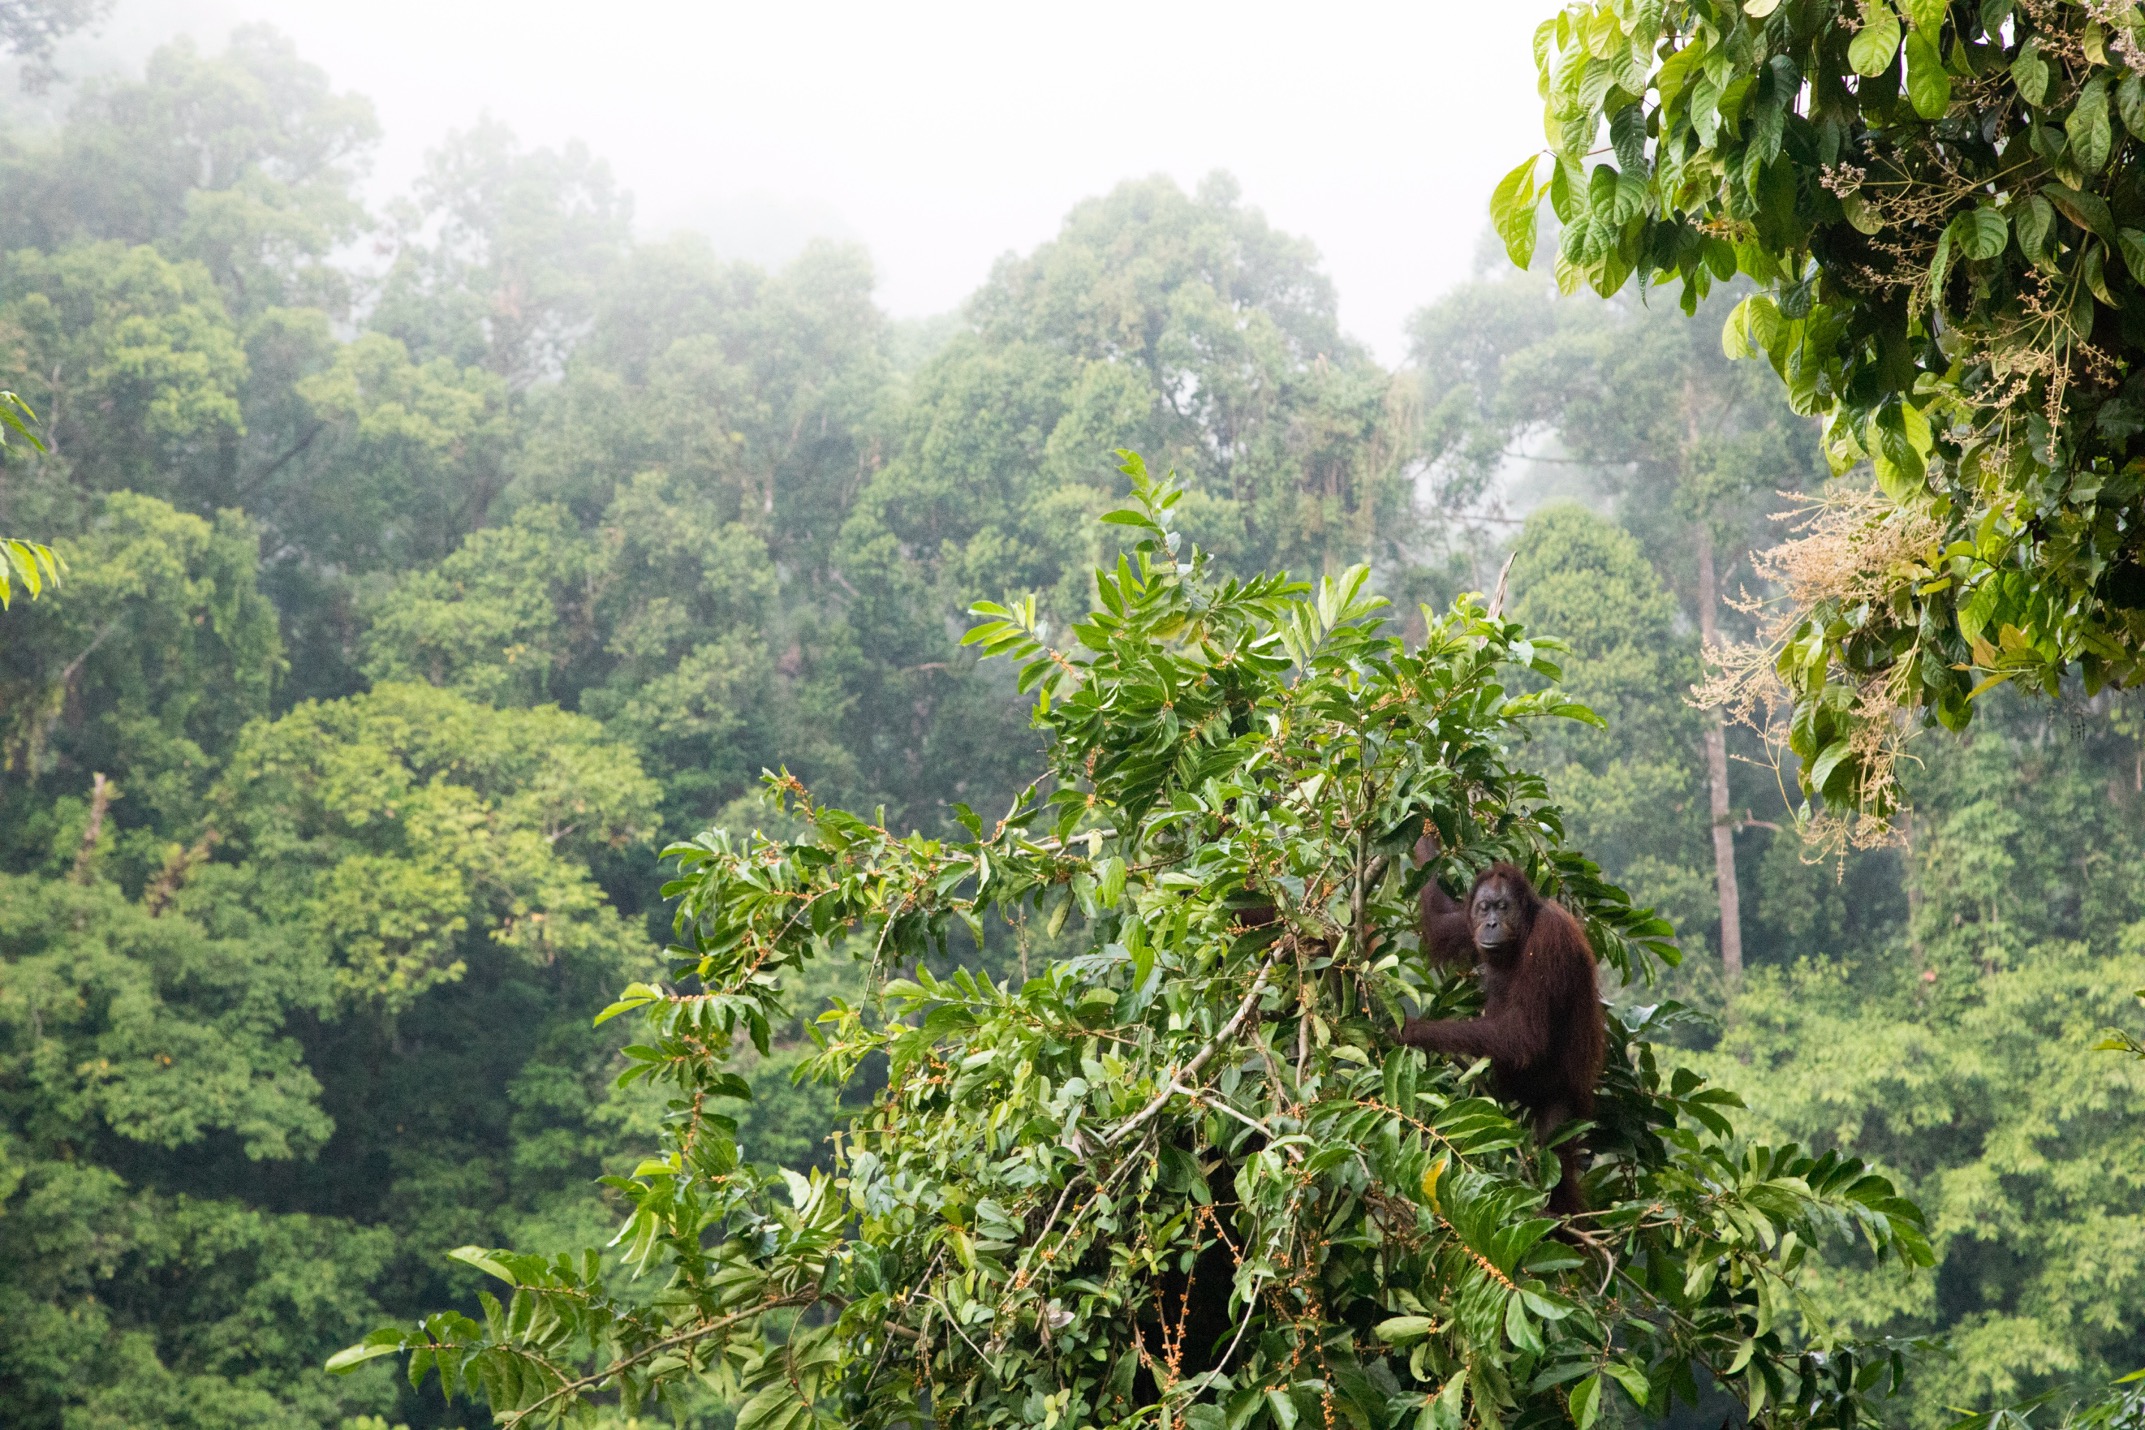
(430, 567)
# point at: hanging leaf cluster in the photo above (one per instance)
(1943, 208)
(31, 565)
(1183, 1177)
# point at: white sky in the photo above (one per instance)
(945, 134)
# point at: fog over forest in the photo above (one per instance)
(944, 137)
(487, 446)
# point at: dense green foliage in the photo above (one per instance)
(1960, 1057)
(1945, 206)
(394, 639)
(1931, 1007)
(1016, 1229)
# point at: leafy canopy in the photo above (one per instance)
(1204, 1093)
(1944, 208)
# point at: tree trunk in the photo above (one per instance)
(1731, 897)
(100, 799)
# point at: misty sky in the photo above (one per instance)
(943, 135)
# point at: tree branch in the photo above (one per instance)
(624, 1363)
(1169, 1085)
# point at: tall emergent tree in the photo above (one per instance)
(1944, 206)
(1181, 1177)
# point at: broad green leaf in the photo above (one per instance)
(483, 1261)
(1860, 214)
(778, 1407)
(1876, 44)
(1399, 1330)
(1735, 339)
(1447, 1409)
(2092, 269)
(1513, 208)
(1586, 1402)
(2131, 243)
(2091, 133)
(349, 1358)
(2033, 219)
(1940, 261)
(1832, 764)
(2088, 210)
(1914, 425)
(1632, 1378)
(1927, 15)
(636, 995)
(1980, 233)
(1928, 86)
(2030, 72)
(16, 417)
(2130, 103)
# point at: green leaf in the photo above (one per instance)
(379, 1343)
(1829, 766)
(1927, 15)
(16, 417)
(1586, 1402)
(2091, 134)
(778, 1407)
(2029, 72)
(1940, 261)
(1747, 331)
(1859, 213)
(2093, 269)
(1876, 44)
(2130, 103)
(1928, 86)
(1514, 205)
(1980, 233)
(636, 995)
(2033, 219)
(2130, 243)
(1445, 1411)
(481, 1259)
(1632, 1378)
(1399, 1330)
(1277, 1401)
(2087, 210)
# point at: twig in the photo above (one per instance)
(1199, 1060)
(1224, 1108)
(1050, 1221)
(624, 1363)
(947, 1311)
(1497, 601)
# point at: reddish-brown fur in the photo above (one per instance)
(1541, 1025)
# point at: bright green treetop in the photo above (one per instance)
(1237, 772)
